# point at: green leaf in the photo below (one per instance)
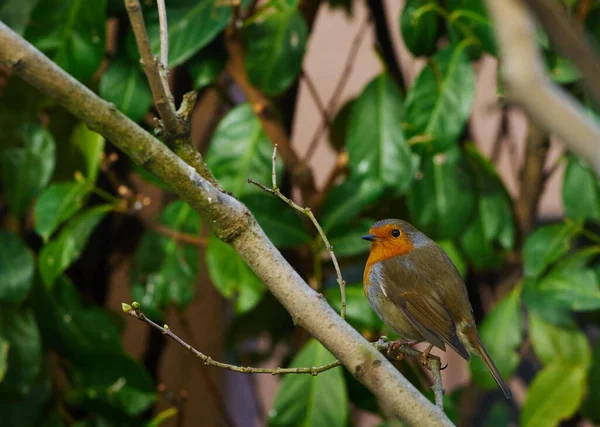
(346, 201)
(29, 410)
(239, 151)
(192, 25)
(561, 70)
(338, 132)
(125, 85)
(4, 347)
(551, 342)
(579, 180)
(311, 401)
(554, 395)
(469, 20)
(19, 329)
(440, 101)
(90, 146)
(591, 406)
(577, 289)
(206, 66)
(419, 26)
(274, 50)
(358, 311)
(501, 334)
(15, 13)
(16, 268)
(115, 379)
(376, 145)
(167, 270)
(281, 223)
(27, 170)
(162, 416)
(346, 240)
(441, 200)
(232, 277)
(56, 204)
(450, 248)
(71, 33)
(546, 245)
(72, 329)
(57, 255)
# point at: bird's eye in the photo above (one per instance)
(396, 232)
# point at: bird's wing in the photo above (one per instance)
(418, 298)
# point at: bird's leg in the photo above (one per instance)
(423, 357)
(395, 345)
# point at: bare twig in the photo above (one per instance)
(173, 126)
(527, 84)
(569, 37)
(134, 311)
(341, 84)
(164, 39)
(178, 236)
(308, 212)
(232, 223)
(433, 364)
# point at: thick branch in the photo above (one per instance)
(231, 222)
(301, 173)
(569, 37)
(527, 85)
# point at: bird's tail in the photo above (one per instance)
(477, 345)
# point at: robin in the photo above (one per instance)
(415, 289)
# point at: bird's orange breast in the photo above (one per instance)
(380, 251)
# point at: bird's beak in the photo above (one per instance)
(370, 237)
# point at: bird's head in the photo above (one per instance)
(393, 237)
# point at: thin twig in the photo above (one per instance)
(164, 38)
(325, 117)
(178, 236)
(308, 212)
(133, 311)
(433, 363)
(173, 127)
(341, 84)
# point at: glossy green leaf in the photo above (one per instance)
(89, 146)
(232, 277)
(71, 33)
(554, 395)
(358, 311)
(125, 85)
(481, 253)
(56, 204)
(450, 248)
(30, 409)
(546, 245)
(20, 330)
(346, 201)
(311, 401)
(576, 289)
(282, 224)
(113, 379)
(346, 240)
(544, 306)
(167, 270)
(551, 342)
(441, 200)
(376, 145)
(239, 151)
(192, 25)
(501, 334)
(69, 327)
(419, 26)
(338, 132)
(206, 66)
(274, 50)
(591, 406)
(440, 101)
(26, 170)
(57, 255)
(15, 13)
(580, 191)
(469, 20)
(16, 268)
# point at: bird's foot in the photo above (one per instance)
(425, 356)
(395, 345)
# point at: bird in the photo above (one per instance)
(415, 289)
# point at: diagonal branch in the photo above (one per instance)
(231, 222)
(527, 84)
